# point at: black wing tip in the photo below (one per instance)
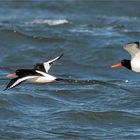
(7, 87)
(137, 43)
(62, 54)
(59, 57)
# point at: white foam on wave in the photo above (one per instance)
(51, 22)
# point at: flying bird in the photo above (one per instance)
(39, 74)
(133, 64)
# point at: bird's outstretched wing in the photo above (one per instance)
(18, 80)
(132, 48)
(44, 67)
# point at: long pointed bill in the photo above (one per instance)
(116, 65)
(11, 75)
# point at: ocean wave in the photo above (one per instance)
(51, 22)
(105, 116)
(117, 18)
(106, 31)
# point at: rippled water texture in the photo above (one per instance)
(96, 102)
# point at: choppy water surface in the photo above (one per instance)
(97, 102)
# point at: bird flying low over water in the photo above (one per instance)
(39, 74)
(134, 63)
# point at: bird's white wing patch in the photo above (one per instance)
(132, 48)
(47, 76)
(47, 65)
(21, 80)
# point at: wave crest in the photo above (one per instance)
(51, 22)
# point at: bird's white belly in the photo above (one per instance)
(135, 64)
(41, 79)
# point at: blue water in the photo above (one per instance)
(97, 103)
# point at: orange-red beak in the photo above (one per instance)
(11, 75)
(116, 65)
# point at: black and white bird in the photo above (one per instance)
(134, 63)
(39, 74)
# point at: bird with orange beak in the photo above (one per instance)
(38, 74)
(134, 63)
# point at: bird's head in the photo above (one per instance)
(126, 63)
